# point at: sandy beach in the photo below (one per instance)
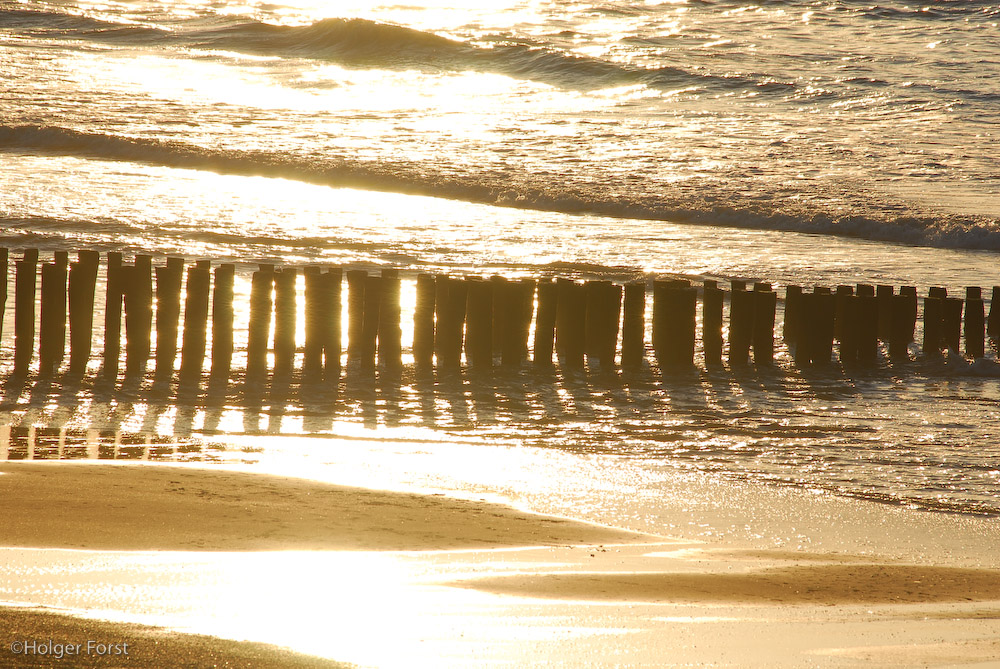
(495, 570)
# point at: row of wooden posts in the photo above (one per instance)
(490, 320)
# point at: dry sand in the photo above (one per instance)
(141, 507)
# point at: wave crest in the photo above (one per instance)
(523, 190)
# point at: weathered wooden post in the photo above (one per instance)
(634, 325)
(594, 318)
(933, 321)
(523, 295)
(312, 348)
(113, 315)
(741, 316)
(805, 327)
(951, 323)
(196, 302)
(25, 283)
(564, 298)
(357, 281)
(904, 321)
(501, 318)
(168, 311)
(612, 310)
(765, 303)
(867, 316)
(4, 254)
(138, 315)
(390, 335)
(819, 314)
(883, 296)
(370, 328)
(331, 331)
(423, 323)
(993, 322)
(545, 324)
(680, 331)
(659, 320)
(284, 322)
(479, 324)
(222, 322)
(571, 314)
(454, 334)
(82, 289)
(52, 320)
(259, 331)
(792, 322)
(712, 302)
(975, 323)
(846, 324)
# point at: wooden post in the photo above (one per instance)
(370, 324)
(82, 289)
(332, 325)
(904, 319)
(479, 324)
(846, 324)
(883, 296)
(711, 323)
(819, 312)
(423, 323)
(524, 305)
(113, 315)
(594, 318)
(951, 323)
(390, 335)
(222, 322)
(765, 303)
(501, 318)
(660, 318)
(571, 308)
(52, 321)
(284, 322)
(25, 282)
(975, 323)
(168, 311)
(458, 291)
(634, 325)
(357, 280)
(138, 315)
(993, 322)
(867, 316)
(545, 324)
(612, 309)
(792, 321)
(312, 349)
(4, 254)
(259, 332)
(806, 328)
(933, 321)
(741, 316)
(196, 301)
(678, 324)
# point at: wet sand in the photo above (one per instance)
(123, 507)
(129, 645)
(749, 608)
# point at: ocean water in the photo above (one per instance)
(811, 143)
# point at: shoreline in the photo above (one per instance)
(441, 572)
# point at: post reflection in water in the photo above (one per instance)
(780, 424)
